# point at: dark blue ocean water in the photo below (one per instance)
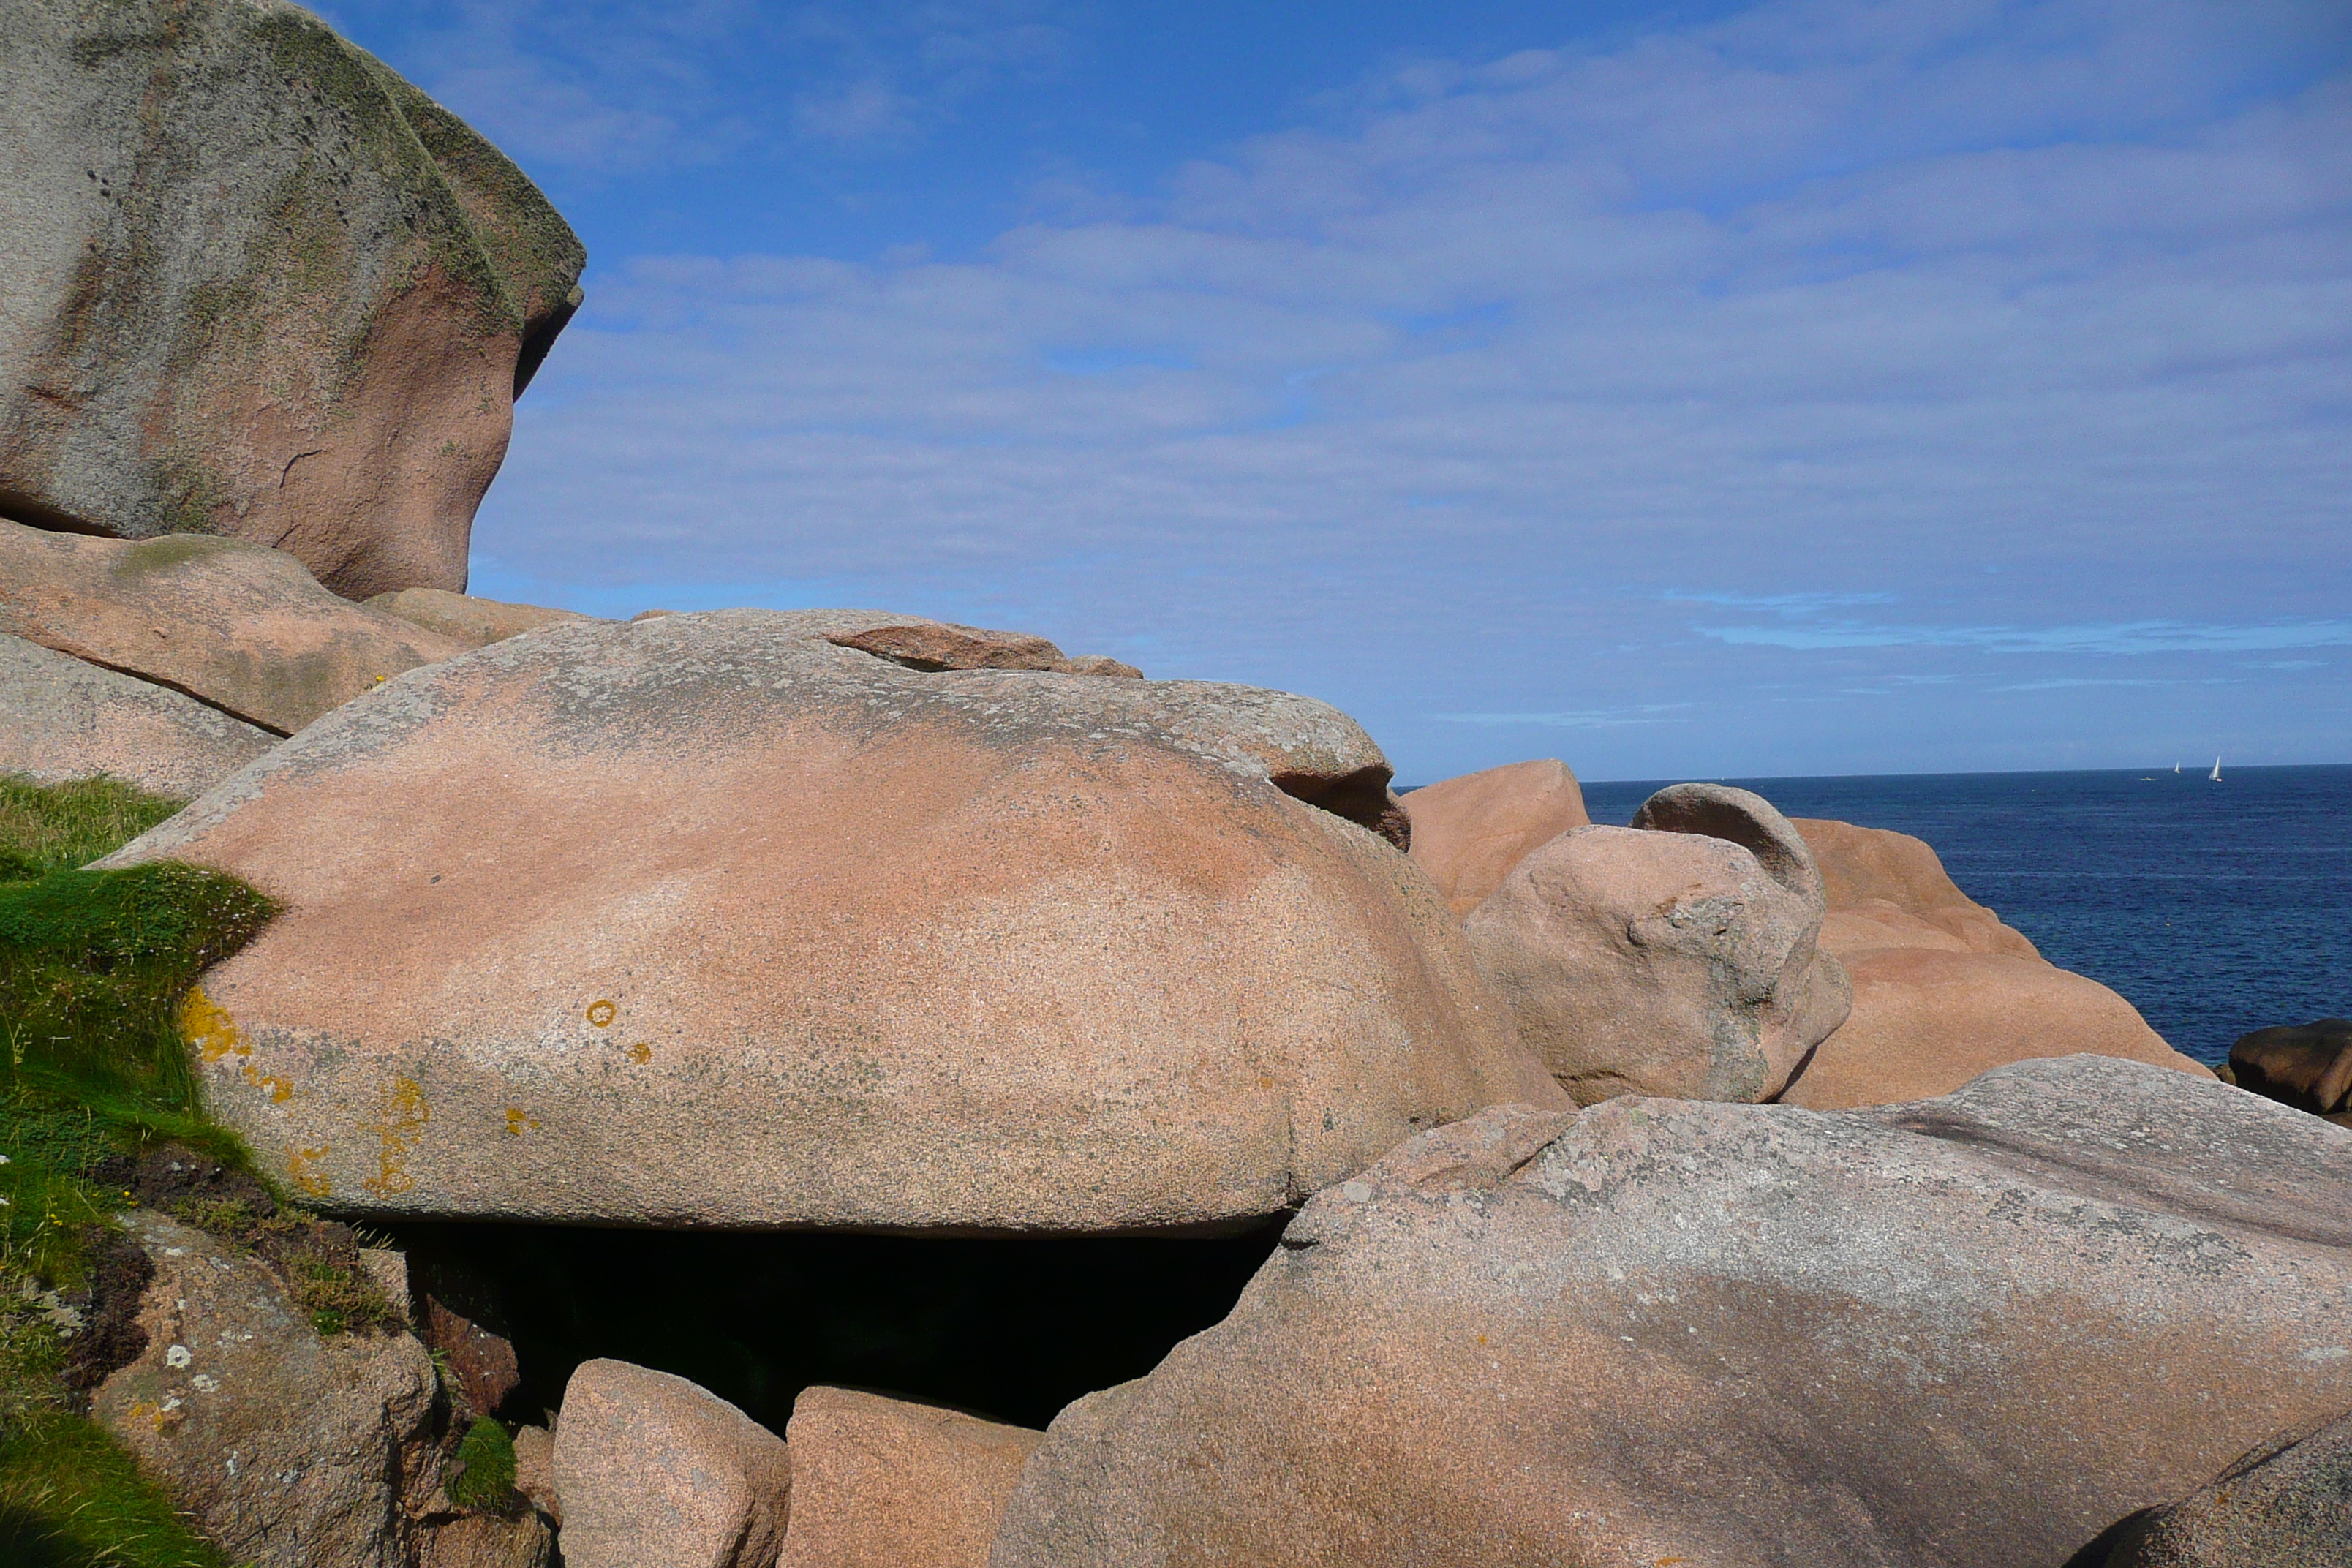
(2216, 909)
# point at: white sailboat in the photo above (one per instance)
(2216, 774)
(2176, 767)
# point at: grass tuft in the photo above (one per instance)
(47, 828)
(485, 1472)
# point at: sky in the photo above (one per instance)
(1685, 390)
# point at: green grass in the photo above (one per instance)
(488, 1457)
(50, 827)
(94, 966)
(71, 1496)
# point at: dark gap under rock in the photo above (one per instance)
(1010, 1329)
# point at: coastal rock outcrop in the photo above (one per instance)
(288, 1448)
(710, 919)
(1873, 877)
(240, 627)
(883, 1483)
(1468, 832)
(1972, 1332)
(2307, 1066)
(1674, 957)
(62, 719)
(652, 1470)
(466, 620)
(1942, 989)
(259, 285)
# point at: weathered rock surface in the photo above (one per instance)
(1967, 1333)
(2307, 1066)
(534, 1449)
(883, 1483)
(2286, 1504)
(474, 623)
(1663, 959)
(240, 627)
(1926, 1021)
(1468, 832)
(655, 1469)
(519, 1540)
(259, 285)
(61, 718)
(1870, 875)
(708, 920)
(1942, 989)
(289, 1450)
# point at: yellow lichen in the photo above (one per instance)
(641, 1053)
(402, 1128)
(601, 1014)
(517, 1118)
(279, 1089)
(210, 1031)
(301, 1169)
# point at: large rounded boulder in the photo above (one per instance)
(1674, 957)
(1469, 831)
(710, 919)
(258, 285)
(1973, 1332)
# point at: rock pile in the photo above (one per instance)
(1719, 1189)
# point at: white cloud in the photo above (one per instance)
(1833, 303)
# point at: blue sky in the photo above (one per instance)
(1681, 390)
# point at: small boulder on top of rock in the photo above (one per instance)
(941, 644)
(884, 1483)
(1666, 959)
(259, 285)
(655, 1469)
(239, 627)
(2307, 1066)
(1468, 832)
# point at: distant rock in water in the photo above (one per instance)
(1675, 957)
(1470, 831)
(2307, 1066)
(1972, 1333)
(1942, 990)
(239, 627)
(712, 919)
(259, 285)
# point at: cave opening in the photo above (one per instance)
(1011, 1329)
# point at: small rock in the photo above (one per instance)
(884, 1483)
(534, 1449)
(1469, 832)
(290, 1449)
(2307, 1066)
(655, 1470)
(486, 1541)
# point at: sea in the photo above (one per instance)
(2216, 909)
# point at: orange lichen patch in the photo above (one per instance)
(1265, 1081)
(279, 1089)
(402, 1128)
(641, 1053)
(518, 1120)
(210, 1031)
(303, 1170)
(601, 1014)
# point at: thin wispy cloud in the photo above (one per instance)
(2123, 637)
(1602, 719)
